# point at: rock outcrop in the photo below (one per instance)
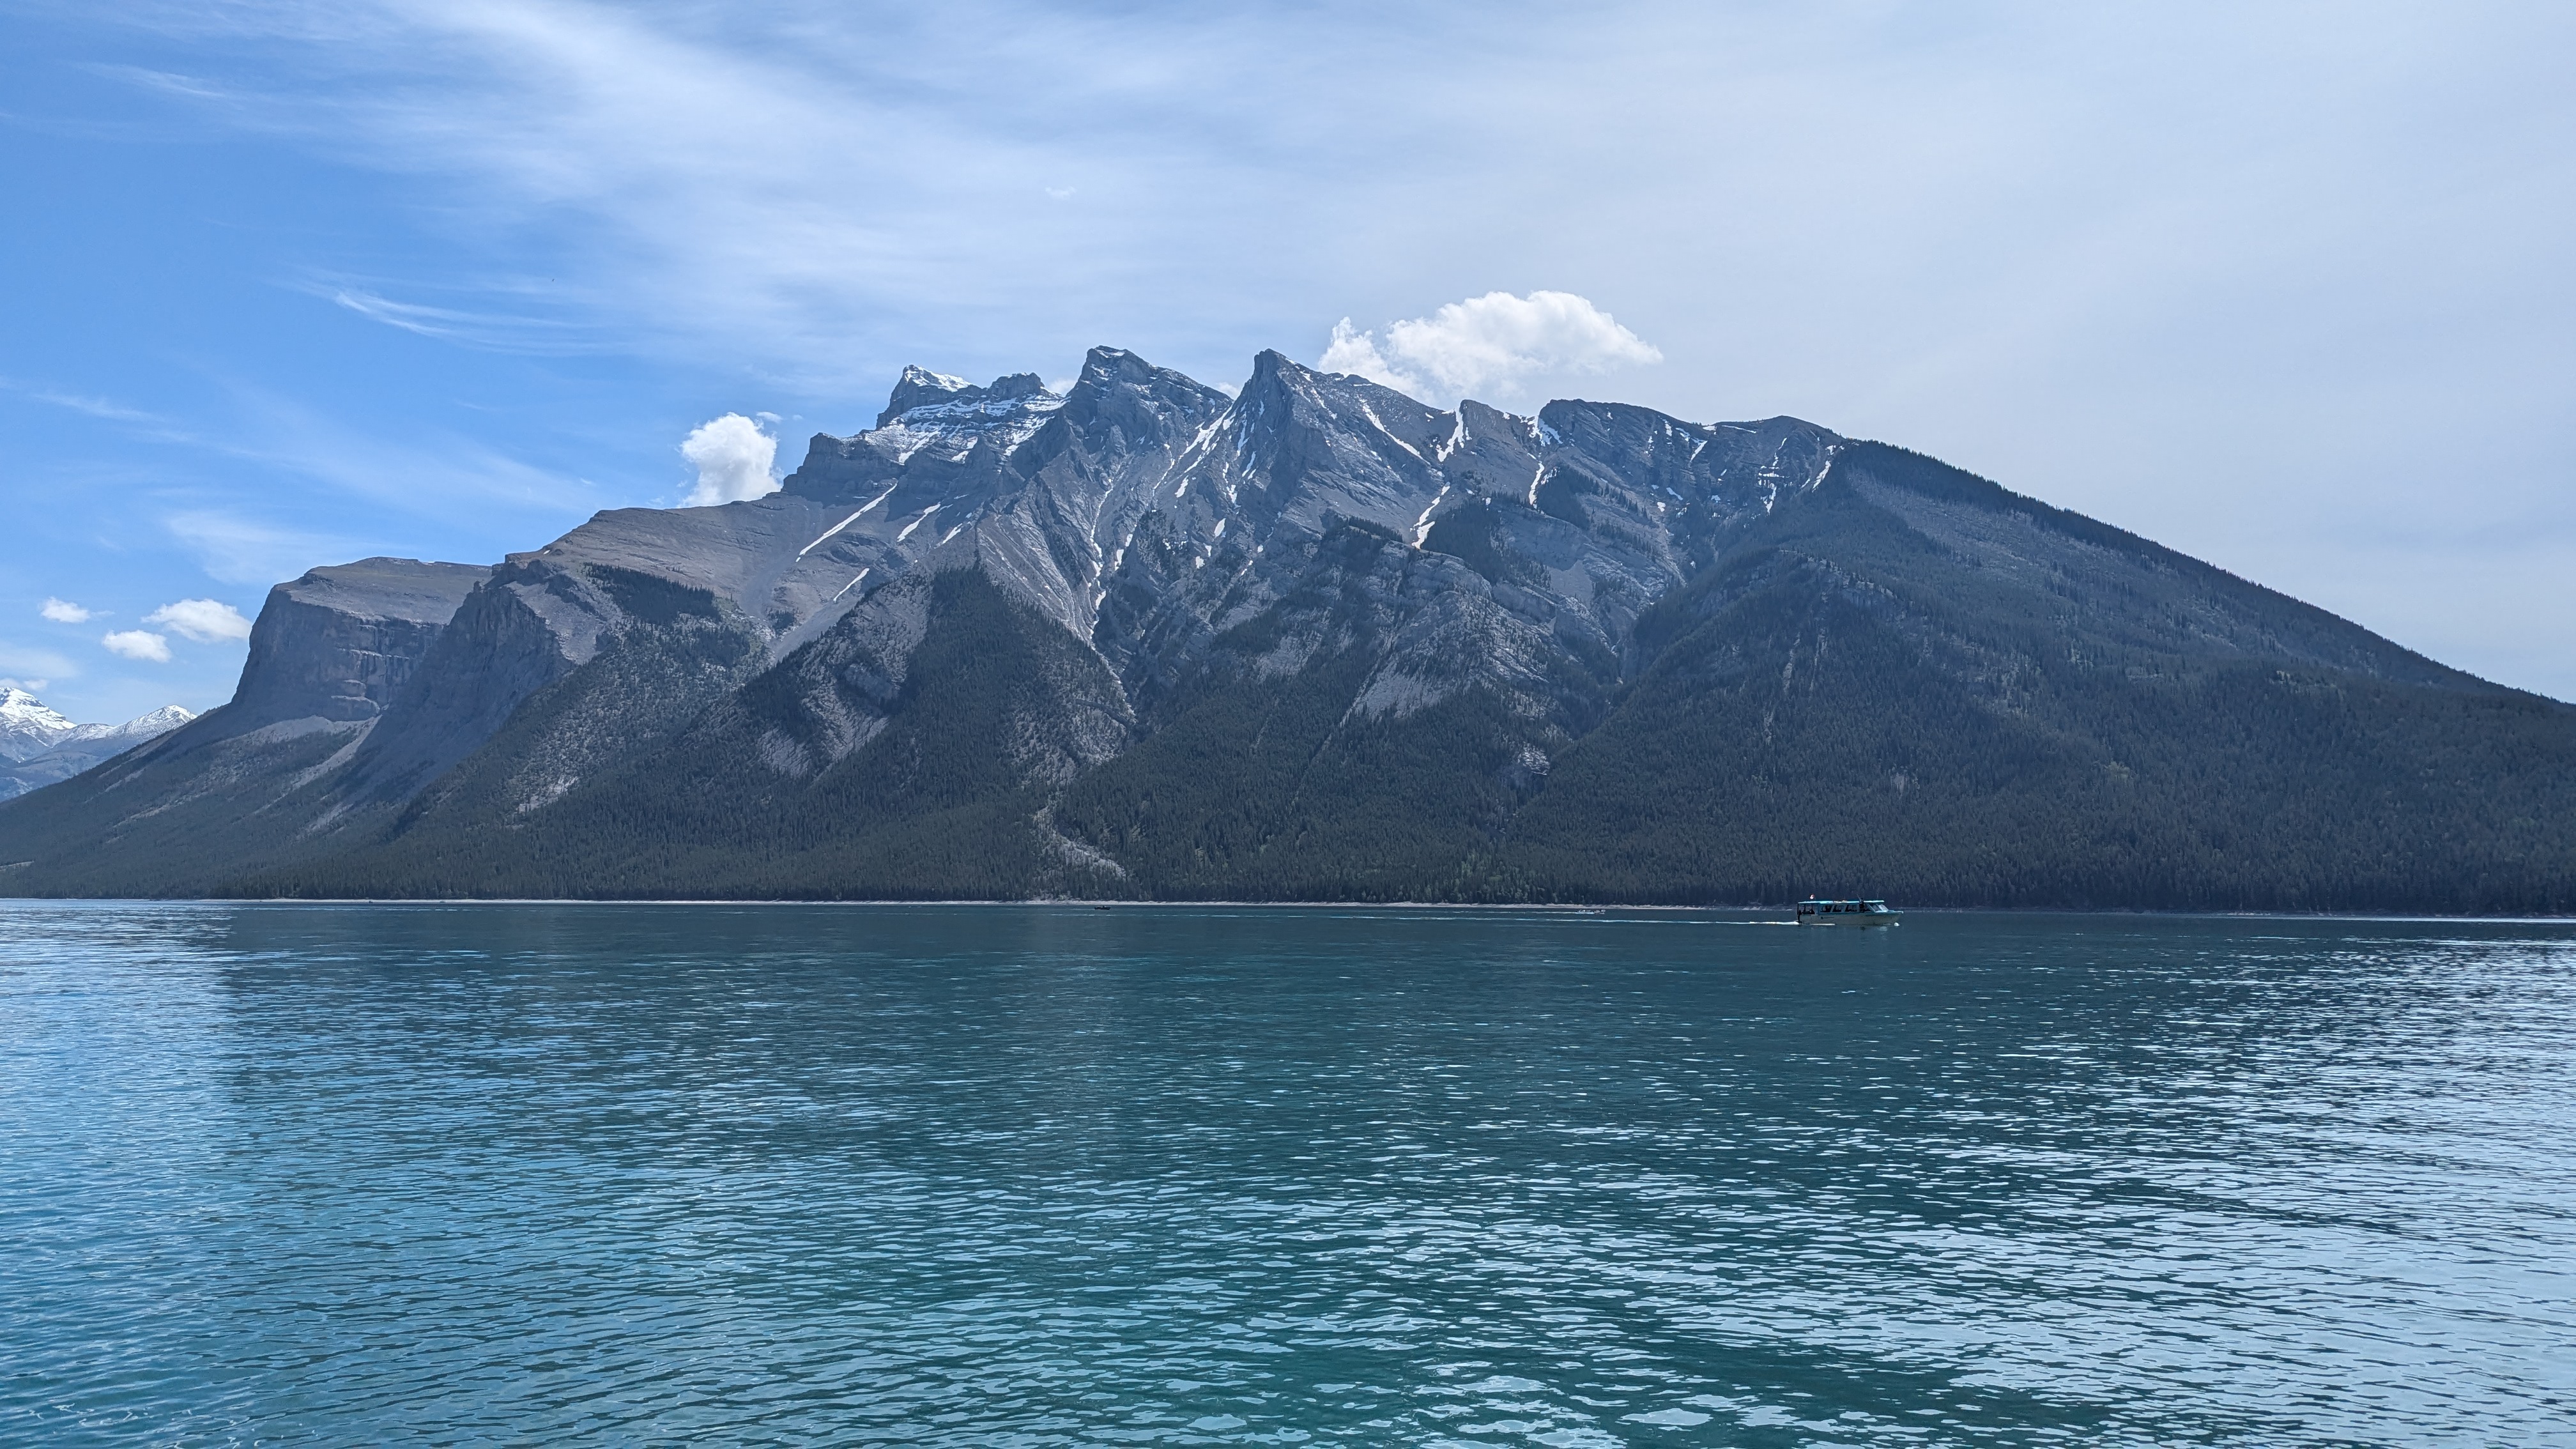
(338, 644)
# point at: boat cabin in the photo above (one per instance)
(1820, 907)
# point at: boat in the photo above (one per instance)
(1817, 911)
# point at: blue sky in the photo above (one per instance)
(2282, 286)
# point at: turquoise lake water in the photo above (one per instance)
(1028, 1176)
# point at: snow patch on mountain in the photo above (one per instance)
(41, 744)
(28, 726)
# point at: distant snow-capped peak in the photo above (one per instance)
(29, 727)
(160, 721)
(142, 727)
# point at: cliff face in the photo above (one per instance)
(329, 653)
(1318, 639)
(339, 643)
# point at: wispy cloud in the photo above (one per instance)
(237, 550)
(794, 180)
(35, 663)
(96, 407)
(491, 331)
(429, 476)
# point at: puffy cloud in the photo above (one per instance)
(64, 611)
(733, 457)
(1489, 342)
(138, 644)
(204, 620)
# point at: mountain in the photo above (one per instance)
(39, 746)
(29, 726)
(1317, 640)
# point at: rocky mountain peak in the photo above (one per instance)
(28, 726)
(1347, 398)
(160, 721)
(1276, 378)
(921, 396)
(39, 745)
(1143, 403)
(918, 386)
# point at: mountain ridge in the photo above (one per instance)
(1318, 639)
(40, 745)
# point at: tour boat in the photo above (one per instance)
(1817, 912)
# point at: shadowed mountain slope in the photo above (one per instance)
(1320, 641)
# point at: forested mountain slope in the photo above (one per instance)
(1319, 640)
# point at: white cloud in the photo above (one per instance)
(64, 611)
(489, 330)
(207, 621)
(1496, 341)
(733, 457)
(138, 644)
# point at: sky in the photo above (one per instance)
(2283, 286)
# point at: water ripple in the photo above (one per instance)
(1195, 1176)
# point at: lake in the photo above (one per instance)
(1199, 1175)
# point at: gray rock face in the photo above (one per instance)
(521, 628)
(340, 643)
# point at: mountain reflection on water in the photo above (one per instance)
(1038, 1175)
